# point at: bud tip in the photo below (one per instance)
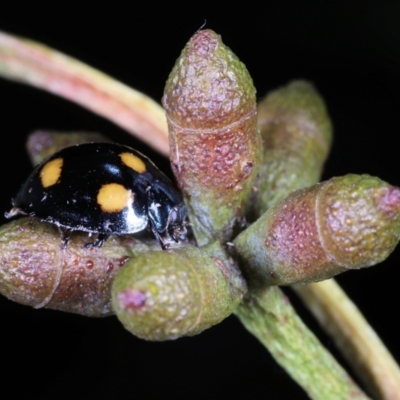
(131, 300)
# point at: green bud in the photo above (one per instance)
(316, 233)
(215, 145)
(181, 292)
(297, 134)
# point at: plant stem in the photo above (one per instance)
(355, 338)
(40, 66)
(268, 315)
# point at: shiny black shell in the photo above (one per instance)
(103, 188)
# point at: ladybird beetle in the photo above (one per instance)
(102, 188)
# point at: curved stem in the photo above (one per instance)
(37, 65)
(355, 338)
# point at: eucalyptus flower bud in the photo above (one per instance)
(345, 223)
(166, 295)
(36, 271)
(43, 143)
(297, 134)
(215, 145)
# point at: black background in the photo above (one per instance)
(350, 51)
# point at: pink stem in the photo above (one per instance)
(35, 64)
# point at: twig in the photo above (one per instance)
(355, 338)
(35, 64)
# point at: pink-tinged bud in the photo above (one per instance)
(215, 145)
(315, 233)
(41, 144)
(36, 271)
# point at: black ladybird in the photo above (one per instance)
(102, 188)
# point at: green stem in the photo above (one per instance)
(268, 315)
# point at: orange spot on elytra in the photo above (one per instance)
(134, 162)
(51, 172)
(114, 197)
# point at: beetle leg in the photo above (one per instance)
(101, 238)
(163, 245)
(65, 236)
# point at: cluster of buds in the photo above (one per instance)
(233, 169)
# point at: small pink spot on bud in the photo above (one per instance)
(132, 299)
(89, 264)
(109, 267)
(121, 261)
(76, 261)
(389, 201)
